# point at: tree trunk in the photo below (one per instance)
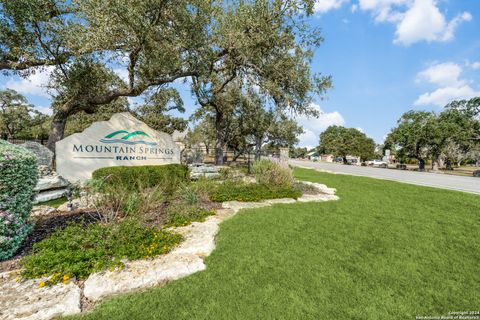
(449, 164)
(258, 148)
(219, 139)
(237, 154)
(57, 130)
(421, 165)
(437, 163)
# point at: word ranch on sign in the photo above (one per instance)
(130, 158)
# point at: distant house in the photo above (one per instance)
(327, 157)
(312, 155)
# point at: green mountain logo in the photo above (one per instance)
(113, 137)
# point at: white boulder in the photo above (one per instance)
(25, 300)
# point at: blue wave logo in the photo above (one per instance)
(110, 138)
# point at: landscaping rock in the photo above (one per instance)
(43, 154)
(26, 300)
(200, 169)
(51, 182)
(85, 202)
(317, 197)
(44, 171)
(280, 201)
(199, 237)
(237, 205)
(50, 195)
(38, 211)
(321, 187)
(142, 274)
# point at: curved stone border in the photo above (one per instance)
(25, 300)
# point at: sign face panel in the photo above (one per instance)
(387, 152)
(121, 141)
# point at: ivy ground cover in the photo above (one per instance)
(385, 250)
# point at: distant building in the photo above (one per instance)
(327, 157)
(312, 155)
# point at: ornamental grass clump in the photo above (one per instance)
(273, 174)
(18, 178)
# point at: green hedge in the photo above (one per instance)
(169, 176)
(18, 178)
(251, 192)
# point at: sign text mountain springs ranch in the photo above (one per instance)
(121, 141)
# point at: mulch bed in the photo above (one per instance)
(45, 226)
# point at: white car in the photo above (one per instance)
(377, 163)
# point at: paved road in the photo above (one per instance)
(437, 180)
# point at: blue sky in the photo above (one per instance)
(385, 56)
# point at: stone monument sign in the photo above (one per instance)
(121, 141)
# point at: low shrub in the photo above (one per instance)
(189, 194)
(229, 191)
(182, 215)
(169, 177)
(225, 173)
(18, 177)
(272, 173)
(78, 251)
(114, 201)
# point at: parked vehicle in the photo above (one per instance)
(352, 161)
(377, 163)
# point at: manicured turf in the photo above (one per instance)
(384, 251)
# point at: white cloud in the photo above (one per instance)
(322, 6)
(424, 21)
(360, 129)
(34, 84)
(443, 96)
(415, 20)
(442, 74)
(45, 110)
(314, 126)
(354, 8)
(384, 10)
(446, 76)
(475, 65)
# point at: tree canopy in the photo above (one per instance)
(341, 141)
(451, 135)
(154, 42)
(18, 118)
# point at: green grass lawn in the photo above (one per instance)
(385, 250)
